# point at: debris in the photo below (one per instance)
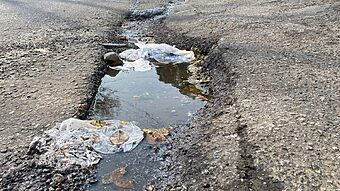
(119, 137)
(149, 187)
(58, 178)
(153, 135)
(121, 37)
(36, 145)
(112, 59)
(40, 50)
(131, 54)
(145, 14)
(162, 53)
(113, 45)
(78, 142)
(139, 65)
(116, 177)
(202, 97)
(118, 45)
(98, 123)
(165, 54)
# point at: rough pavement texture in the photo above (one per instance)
(274, 122)
(49, 53)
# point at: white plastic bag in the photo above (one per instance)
(139, 65)
(162, 53)
(165, 54)
(77, 141)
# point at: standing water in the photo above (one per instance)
(154, 99)
(159, 98)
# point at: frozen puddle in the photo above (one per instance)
(153, 99)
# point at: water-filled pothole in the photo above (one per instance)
(159, 98)
(154, 99)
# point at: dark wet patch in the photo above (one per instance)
(253, 178)
(145, 14)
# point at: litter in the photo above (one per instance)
(165, 54)
(116, 177)
(139, 65)
(131, 54)
(113, 45)
(162, 53)
(79, 142)
(145, 14)
(154, 135)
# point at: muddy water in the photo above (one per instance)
(158, 98)
(153, 99)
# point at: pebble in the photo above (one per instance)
(112, 59)
(3, 151)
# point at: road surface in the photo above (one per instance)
(274, 121)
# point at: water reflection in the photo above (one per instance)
(154, 99)
(175, 74)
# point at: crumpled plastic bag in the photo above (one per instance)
(79, 142)
(131, 54)
(139, 65)
(162, 53)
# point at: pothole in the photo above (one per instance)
(159, 98)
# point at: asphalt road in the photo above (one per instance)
(49, 51)
(274, 121)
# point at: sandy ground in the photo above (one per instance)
(274, 121)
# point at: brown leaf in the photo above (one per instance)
(116, 177)
(202, 97)
(119, 137)
(98, 123)
(153, 135)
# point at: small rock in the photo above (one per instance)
(112, 59)
(3, 151)
(58, 178)
(150, 187)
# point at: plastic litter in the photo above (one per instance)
(79, 142)
(139, 65)
(131, 54)
(162, 53)
(145, 14)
